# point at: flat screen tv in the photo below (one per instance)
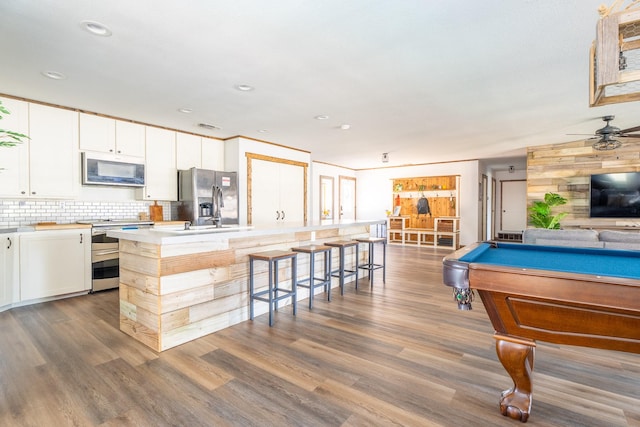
(615, 195)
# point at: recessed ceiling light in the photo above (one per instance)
(54, 75)
(209, 126)
(321, 117)
(345, 127)
(185, 110)
(244, 88)
(96, 28)
(262, 130)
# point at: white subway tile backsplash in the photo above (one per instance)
(14, 212)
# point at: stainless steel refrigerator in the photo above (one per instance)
(203, 193)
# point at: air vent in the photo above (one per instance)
(209, 126)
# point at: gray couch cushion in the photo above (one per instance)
(570, 243)
(620, 236)
(532, 235)
(622, 245)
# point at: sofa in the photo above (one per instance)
(609, 239)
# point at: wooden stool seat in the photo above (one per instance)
(371, 266)
(342, 272)
(315, 282)
(274, 291)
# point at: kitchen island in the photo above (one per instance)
(177, 285)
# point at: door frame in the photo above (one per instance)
(342, 178)
(252, 156)
(502, 198)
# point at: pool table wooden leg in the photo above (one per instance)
(516, 355)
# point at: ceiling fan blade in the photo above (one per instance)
(633, 129)
(627, 135)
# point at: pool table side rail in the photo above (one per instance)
(561, 311)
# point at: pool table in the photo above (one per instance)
(563, 295)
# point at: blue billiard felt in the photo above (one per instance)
(600, 262)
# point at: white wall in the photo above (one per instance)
(375, 193)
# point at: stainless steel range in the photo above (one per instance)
(105, 258)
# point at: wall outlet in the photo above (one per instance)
(313, 236)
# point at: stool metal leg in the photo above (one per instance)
(271, 292)
(311, 278)
(327, 274)
(384, 261)
(357, 267)
(251, 288)
(341, 270)
(371, 257)
(294, 283)
(275, 281)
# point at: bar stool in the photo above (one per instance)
(371, 266)
(274, 292)
(315, 282)
(343, 272)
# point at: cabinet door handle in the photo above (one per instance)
(8, 243)
(283, 215)
(81, 237)
(277, 215)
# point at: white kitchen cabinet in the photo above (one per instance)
(213, 154)
(9, 290)
(161, 182)
(107, 135)
(199, 152)
(47, 164)
(14, 161)
(54, 161)
(97, 133)
(54, 262)
(188, 151)
(277, 192)
(130, 139)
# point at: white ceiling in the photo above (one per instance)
(426, 81)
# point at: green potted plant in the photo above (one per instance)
(540, 213)
(9, 138)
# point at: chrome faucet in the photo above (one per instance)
(217, 203)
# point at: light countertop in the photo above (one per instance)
(173, 234)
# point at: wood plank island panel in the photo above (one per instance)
(174, 289)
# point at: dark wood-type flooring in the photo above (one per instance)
(400, 354)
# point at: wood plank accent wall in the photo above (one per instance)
(566, 169)
(174, 293)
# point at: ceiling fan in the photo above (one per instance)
(607, 136)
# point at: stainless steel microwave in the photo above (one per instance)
(110, 169)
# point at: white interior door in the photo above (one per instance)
(291, 193)
(265, 192)
(514, 205)
(347, 197)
